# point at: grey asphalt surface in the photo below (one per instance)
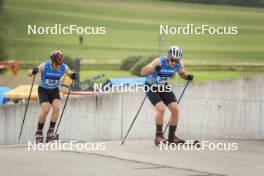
(141, 158)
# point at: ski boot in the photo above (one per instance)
(176, 140)
(39, 136)
(51, 136)
(160, 139)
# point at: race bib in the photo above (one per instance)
(52, 82)
(161, 79)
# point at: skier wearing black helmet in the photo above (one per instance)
(48, 92)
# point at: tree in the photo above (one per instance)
(2, 32)
(1, 6)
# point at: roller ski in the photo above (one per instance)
(176, 140)
(179, 141)
(39, 138)
(51, 136)
(193, 143)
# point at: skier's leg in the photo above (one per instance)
(54, 99)
(170, 100)
(155, 99)
(54, 116)
(174, 109)
(55, 113)
(45, 107)
(160, 110)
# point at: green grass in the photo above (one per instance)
(133, 29)
(203, 76)
(199, 76)
(85, 74)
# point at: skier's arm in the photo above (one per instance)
(70, 73)
(35, 70)
(182, 72)
(184, 75)
(155, 65)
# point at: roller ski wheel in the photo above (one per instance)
(51, 136)
(160, 139)
(39, 138)
(196, 143)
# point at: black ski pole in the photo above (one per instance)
(134, 118)
(186, 85)
(26, 108)
(64, 108)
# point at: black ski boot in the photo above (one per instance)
(39, 136)
(51, 136)
(160, 138)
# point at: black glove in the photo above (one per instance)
(189, 77)
(34, 70)
(158, 68)
(74, 76)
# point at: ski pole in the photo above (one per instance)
(26, 108)
(186, 85)
(134, 118)
(64, 107)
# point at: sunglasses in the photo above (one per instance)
(173, 60)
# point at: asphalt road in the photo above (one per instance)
(134, 158)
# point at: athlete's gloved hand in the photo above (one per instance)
(189, 77)
(34, 70)
(158, 68)
(73, 76)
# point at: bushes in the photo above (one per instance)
(135, 63)
(128, 62)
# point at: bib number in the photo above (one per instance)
(52, 82)
(162, 79)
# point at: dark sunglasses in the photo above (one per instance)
(173, 60)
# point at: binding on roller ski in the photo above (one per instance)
(49, 95)
(158, 73)
(51, 136)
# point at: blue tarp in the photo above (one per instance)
(126, 81)
(2, 91)
(123, 82)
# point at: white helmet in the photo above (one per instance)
(175, 52)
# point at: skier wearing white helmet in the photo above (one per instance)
(158, 72)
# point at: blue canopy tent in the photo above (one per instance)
(3, 90)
